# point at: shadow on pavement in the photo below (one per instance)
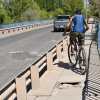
(64, 65)
(69, 66)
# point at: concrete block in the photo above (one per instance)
(59, 53)
(1, 98)
(49, 61)
(47, 83)
(35, 77)
(21, 88)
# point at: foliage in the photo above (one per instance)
(95, 8)
(71, 5)
(58, 11)
(4, 18)
(31, 13)
(44, 14)
(16, 8)
(22, 10)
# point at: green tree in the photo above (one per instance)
(95, 8)
(58, 11)
(70, 6)
(21, 10)
(33, 12)
(4, 18)
(16, 8)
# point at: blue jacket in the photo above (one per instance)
(78, 24)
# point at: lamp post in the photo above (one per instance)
(86, 7)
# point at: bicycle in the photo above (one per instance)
(76, 55)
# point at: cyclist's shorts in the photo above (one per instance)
(80, 36)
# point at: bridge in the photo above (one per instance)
(35, 65)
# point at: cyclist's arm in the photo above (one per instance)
(68, 26)
(86, 24)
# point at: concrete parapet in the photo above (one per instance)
(21, 88)
(42, 76)
(21, 29)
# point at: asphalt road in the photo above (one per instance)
(20, 51)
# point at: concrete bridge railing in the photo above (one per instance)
(29, 79)
(24, 28)
(98, 31)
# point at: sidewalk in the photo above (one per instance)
(71, 88)
(61, 83)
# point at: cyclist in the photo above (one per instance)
(78, 27)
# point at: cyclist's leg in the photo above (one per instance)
(81, 37)
(72, 39)
(72, 53)
(76, 41)
(81, 43)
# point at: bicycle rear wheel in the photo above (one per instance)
(82, 61)
(72, 53)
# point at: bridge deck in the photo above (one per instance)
(61, 83)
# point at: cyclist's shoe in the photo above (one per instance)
(84, 63)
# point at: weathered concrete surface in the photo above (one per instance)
(67, 90)
(66, 75)
(73, 83)
(18, 52)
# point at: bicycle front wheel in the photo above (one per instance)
(72, 54)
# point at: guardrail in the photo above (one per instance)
(29, 79)
(24, 28)
(98, 31)
(90, 90)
